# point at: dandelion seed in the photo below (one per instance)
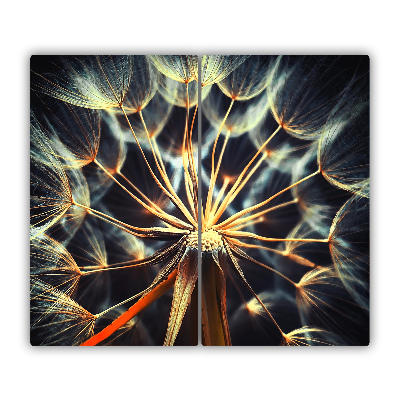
(58, 319)
(97, 82)
(216, 68)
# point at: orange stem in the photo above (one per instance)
(140, 305)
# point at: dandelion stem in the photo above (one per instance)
(233, 192)
(219, 197)
(139, 306)
(140, 192)
(191, 182)
(178, 203)
(239, 272)
(154, 259)
(189, 143)
(162, 215)
(248, 223)
(214, 178)
(194, 166)
(215, 326)
(185, 153)
(298, 259)
(159, 163)
(216, 138)
(147, 232)
(242, 254)
(256, 206)
(249, 175)
(259, 214)
(249, 235)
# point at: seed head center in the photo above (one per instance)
(210, 240)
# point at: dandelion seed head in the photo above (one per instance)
(118, 193)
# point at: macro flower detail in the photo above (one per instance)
(131, 203)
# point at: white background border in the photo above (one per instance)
(247, 27)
